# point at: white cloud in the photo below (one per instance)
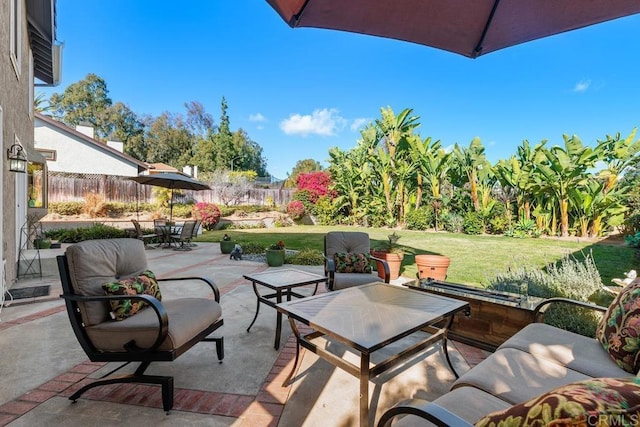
(582, 86)
(257, 118)
(325, 122)
(359, 123)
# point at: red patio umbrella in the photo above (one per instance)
(467, 27)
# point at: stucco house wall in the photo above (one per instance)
(76, 152)
(15, 103)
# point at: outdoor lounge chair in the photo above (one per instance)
(340, 249)
(160, 332)
(144, 237)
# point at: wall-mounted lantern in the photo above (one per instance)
(17, 159)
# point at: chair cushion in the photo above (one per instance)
(346, 241)
(144, 283)
(187, 318)
(619, 329)
(597, 401)
(348, 280)
(95, 262)
(353, 262)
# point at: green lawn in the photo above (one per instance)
(474, 259)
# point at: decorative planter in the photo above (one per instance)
(433, 266)
(393, 259)
(275, 257)
(226, 246)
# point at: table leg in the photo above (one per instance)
(446, 348)
(364, 390)
(279, 319)
(294, 328)
(255, 289)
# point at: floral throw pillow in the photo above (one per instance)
(352, 262)
(594, 402)
(619, 328)
(144, 283)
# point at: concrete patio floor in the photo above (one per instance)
(42, 364)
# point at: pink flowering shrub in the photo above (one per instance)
(316, 183)
(295, 209)
(208, 213)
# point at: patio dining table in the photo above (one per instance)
(366, 319)
(165, 232)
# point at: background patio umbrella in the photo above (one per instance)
(467, 27)
(171, 180)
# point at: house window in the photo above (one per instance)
(50, 155)
(37, 187)
(15, 35)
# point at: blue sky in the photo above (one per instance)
(299, 92)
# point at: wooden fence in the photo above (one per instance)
(74, 187)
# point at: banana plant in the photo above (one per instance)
(471, 164)
(563, 169)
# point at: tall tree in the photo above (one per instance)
(84, 101)
(302, 166)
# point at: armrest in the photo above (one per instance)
(538, 314)
(161, 314)
(385, 266)
(426, 410)
(329, 264)
(209, 282)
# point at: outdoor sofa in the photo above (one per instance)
(544, 375)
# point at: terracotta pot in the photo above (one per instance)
(226, 246)
(275, 257)
(433, 266)
(393, 259)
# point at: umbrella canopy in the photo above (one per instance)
(467, 27)
(171, 180)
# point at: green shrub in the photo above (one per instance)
(327, 213)
(117, 208)
(306, 257)
(181, 210)
(472, 223)
(498, 225)
(420, 219)
(633, 240)
(66, 208)
(252, 248)
(453, 223)
(569, 278)
(96, 231)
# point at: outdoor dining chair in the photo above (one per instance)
(184, 237)
(347, 260)
(146, 238)
(117, 312)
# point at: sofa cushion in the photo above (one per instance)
(476, 404)
(187, 317)
(94, 262)
(144, 283)
(347, 280)
(516, 376)
(578, 404)
(577, 352)
(353, 262)
(619, 329)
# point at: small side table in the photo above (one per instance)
(282, 281)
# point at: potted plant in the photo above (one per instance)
(275, 254)
(391, 252)
(226, 244)
(432, 266)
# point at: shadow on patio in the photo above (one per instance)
(43, 364)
